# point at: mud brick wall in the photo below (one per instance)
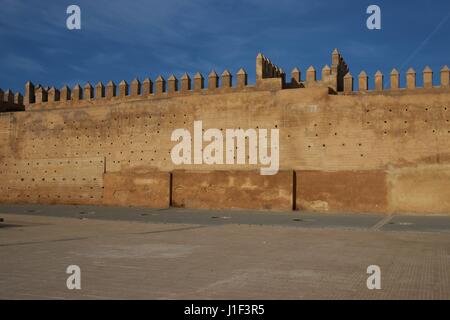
(381, 150)
(233, 190)
(52, 180)
(137, 188)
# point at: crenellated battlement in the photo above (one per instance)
(394, 81)
(39, 96)
(265, 69)
(379, 148)
(269, 76)
(10, 101)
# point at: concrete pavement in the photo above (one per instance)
(176, 254)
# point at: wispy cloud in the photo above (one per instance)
(366, 50)
(104, 58)
(24, 21)
(21, 64)
(122, 40)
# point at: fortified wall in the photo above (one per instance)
(342, 147)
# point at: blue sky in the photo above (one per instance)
(127, 39)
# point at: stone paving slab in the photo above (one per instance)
(415, 223)
(374, 221)
(136, 260)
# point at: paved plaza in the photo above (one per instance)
(137, 253)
